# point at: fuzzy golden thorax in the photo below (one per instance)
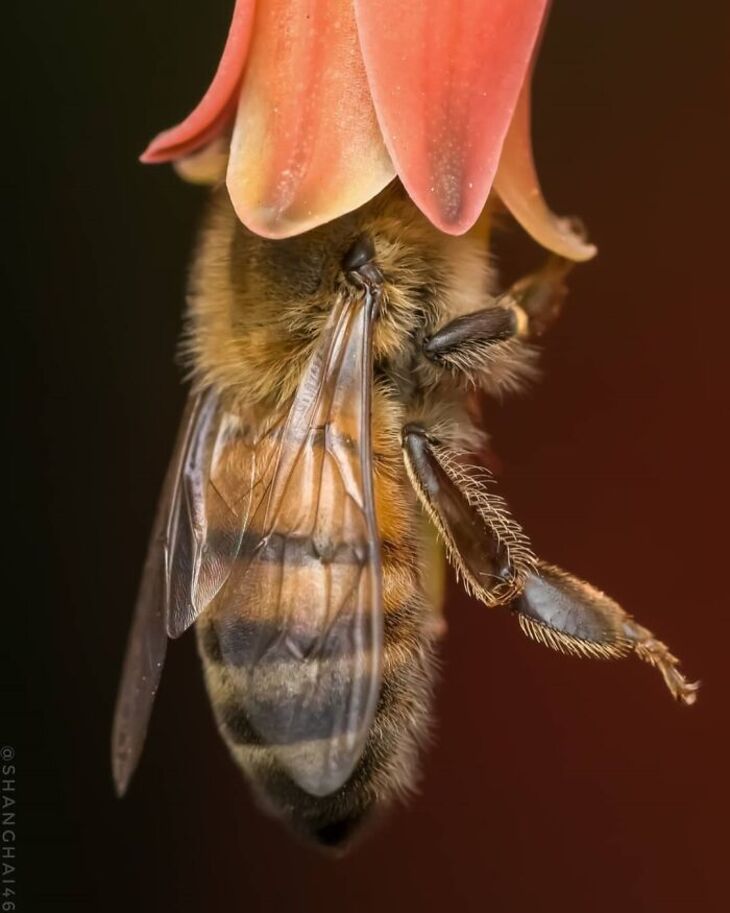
(257, 306)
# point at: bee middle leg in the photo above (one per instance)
(491, 341)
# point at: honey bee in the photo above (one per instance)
(324, 449)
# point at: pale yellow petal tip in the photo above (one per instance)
(562, 235)
(268, 222)
(259, 208)
(208, 166)
(277, 225)
(567, 237)
(517, 185)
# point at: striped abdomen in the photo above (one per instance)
(387, 763)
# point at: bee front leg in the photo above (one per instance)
(488, 346)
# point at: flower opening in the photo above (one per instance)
(318, 104)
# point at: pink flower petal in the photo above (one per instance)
(445, 76)
(306, 145)
(218, 105)
(517, 184)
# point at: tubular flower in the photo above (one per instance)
(318, 104)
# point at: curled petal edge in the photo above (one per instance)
(518, 187)
(218, 106)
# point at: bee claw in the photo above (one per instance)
(682, 690)
(657, 654)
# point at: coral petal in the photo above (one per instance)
(218, 105)
(517, 184)
(445, 77)
(306, 145)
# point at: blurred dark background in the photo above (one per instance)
(554, 784)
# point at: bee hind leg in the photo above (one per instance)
(657, 654)
(571, 616)
(493, 558)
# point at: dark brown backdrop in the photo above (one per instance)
(554, 784)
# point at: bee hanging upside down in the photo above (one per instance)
(322, 449)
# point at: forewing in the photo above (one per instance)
(217, 485)
(205, 501)
(147, 643)
(299, 621)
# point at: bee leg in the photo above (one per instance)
(486, 548)
(492, 555)
(474, 343)
(435, 581)
(540, 296)
(571, 616)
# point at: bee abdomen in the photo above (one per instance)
(388, 765)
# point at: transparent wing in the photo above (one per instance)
(209, 510)
(299, 620)
(147, 643)
(196, 536)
